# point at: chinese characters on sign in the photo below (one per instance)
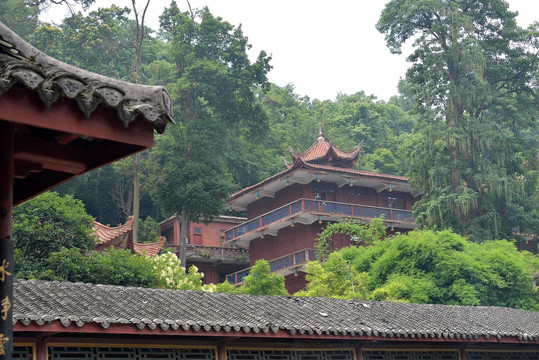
(3, 270)
(6, 305)
(3, 341)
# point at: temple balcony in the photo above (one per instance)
(213, 254)
(285, 265)
(307, 211)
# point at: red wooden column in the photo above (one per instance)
(6, 243)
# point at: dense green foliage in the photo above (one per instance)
(119, 267)
(44, 225)
(149, 230)
(474, 82)
(365, 234)
(426, 266)
(112, 267)
(54, 239)
(260, 281)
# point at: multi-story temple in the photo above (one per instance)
(285, 212)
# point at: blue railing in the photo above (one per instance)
(237, 277)
(319, 207)
(296, 259)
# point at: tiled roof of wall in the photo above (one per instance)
(42, 302)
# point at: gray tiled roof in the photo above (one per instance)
(51, 79)
(43, 302)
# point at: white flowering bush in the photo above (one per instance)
(174, 276)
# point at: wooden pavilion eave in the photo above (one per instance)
(56, 327)
(56, 144)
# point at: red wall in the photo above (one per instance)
(210, 233)
(287, 241)
(295, 283)
(343, 195)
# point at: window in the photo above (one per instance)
(392, 200)
(322, 191)
(197, 230)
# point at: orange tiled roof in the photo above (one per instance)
(149, 249)
(107, 234)
(324, 150)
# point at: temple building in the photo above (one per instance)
(286, 211)
(206, 246)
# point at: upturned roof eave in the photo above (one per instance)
(50, 77)
(300, 164)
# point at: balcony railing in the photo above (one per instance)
(320, 208)
(215, 253)
(284, 265)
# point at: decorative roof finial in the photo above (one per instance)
(320, 131)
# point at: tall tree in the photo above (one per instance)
(140, 33)
(213, 93)
(474, 78)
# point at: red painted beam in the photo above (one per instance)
(122, 329)
(22, 106)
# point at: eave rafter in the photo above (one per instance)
(33, 154)
(267, 193)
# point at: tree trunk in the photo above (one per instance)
(138, 65)
(184, 226)
(136, 195)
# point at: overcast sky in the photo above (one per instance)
(321, 47)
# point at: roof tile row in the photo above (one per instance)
(42, 302)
